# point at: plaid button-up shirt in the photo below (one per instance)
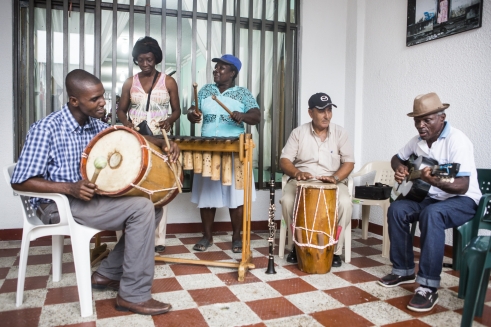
(53, 148)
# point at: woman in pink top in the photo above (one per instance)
(147, 54)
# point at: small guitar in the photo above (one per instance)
(413, 187)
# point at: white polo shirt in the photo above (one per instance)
(452, 146)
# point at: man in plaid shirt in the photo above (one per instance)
(50, 163)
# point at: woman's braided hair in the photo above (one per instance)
(145, 45)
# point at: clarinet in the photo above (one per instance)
(272, 228)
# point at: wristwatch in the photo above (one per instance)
(336, 178)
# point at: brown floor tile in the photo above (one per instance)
(454, 288)
(401, 304)
(486, 315)
(417, 255)
(175, 249)
(224, 245)
(291, 286)
(256, 237)
(42, 241)
(30, 283)
(356, 276)
(410, 287)
(165, 285)
(66, 268)
(107, 309)
(9, 252)
(294, 269)
(364, 262)
(170, 236)
(408, 323)
(452, 272)
(366, 251)
(212, 255)
(212, 295)
(179, 318)
(40, 259)
(256, 325)
(265, 250)
(61, 295)
(190, 240)
(261, 262)
(82, 324)
(21, 318)
(340, 317)
(67, 248)
(351, 295)
(274, 308)
(369, 241)
(231, 278)
(183, 269)
(4, 272)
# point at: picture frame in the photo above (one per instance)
(428, 20)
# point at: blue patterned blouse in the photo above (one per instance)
(216, 121)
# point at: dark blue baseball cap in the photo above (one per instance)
(229, 59)
(320, 101)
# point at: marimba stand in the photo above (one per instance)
(244, 149)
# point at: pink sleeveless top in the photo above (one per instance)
(159, 103)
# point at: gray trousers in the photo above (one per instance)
(132, 259)
(345, 208)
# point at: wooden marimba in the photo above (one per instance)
(207, 155)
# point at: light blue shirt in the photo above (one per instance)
(216, 121)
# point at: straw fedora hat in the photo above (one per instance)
(426, 104)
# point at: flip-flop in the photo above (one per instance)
(237, 246)
(202, 245)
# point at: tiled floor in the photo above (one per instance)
(210, 296)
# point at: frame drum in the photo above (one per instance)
(135, 167)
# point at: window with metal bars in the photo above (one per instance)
(54, 37)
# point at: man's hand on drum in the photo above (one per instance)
(327, 179)
(303, 176)
(173, 152)
(193, 117)
(83, 190)
(400, 173)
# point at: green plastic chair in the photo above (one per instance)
(476, 265)
(463, 234)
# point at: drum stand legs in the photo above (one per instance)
(99, 252)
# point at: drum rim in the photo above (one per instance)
(143, 166)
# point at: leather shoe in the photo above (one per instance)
(160, 248)
(392, 280)
(100, 282)
(336, 260)
(292, 256)
(150, 307)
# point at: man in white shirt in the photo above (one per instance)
(319, 150)
(447, 205)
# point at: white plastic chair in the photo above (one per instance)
(285, 227)
(34, 228)
(383, 174)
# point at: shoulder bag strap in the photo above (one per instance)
(151, 88)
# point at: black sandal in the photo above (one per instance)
(202, 245)
(237, 246)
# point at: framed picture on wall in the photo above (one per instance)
(433, 19)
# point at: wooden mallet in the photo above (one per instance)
(196, 109)
(221, 105)
(173, 164)
(99, 163)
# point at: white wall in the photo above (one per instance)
(10, 216)
(457, 68)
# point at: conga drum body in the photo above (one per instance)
(315, 224)
(135, 167)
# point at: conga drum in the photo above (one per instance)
(315, 219)
(135, 167)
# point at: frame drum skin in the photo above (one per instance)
(134, 167)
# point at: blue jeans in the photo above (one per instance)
(434, 217)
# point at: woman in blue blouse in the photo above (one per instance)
(208, 194)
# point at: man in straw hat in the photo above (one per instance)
(447, 204)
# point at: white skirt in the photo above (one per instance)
(212, 194)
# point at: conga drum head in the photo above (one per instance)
(134, 167)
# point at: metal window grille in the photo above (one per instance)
(54, 37)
